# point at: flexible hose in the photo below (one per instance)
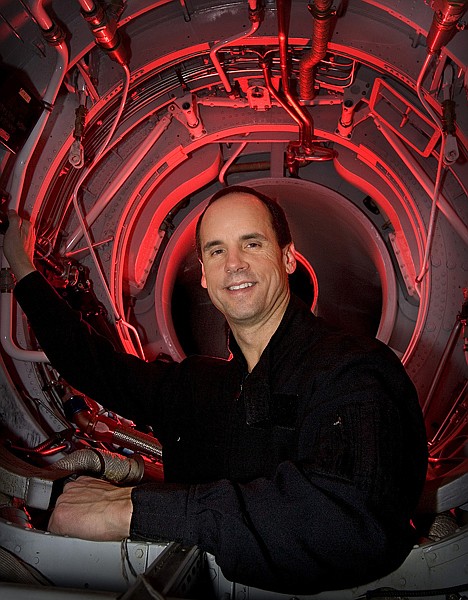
(323, 14)
(111, 466)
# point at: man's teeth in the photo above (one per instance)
(240, 287)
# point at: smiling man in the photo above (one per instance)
(244, 268)
(297, 463)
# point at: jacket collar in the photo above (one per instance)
(256, 388)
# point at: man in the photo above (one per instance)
(297, 463)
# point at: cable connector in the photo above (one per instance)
(106, 34)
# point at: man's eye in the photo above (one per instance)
(253, 245)
(217, 252)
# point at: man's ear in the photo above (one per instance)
(289, 258)
(203, 277)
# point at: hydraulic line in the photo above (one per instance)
(228, 163)
(297, 152)
(256, 18)
(119, 179)
(419, 91)
(323, 14)
(104, 463)
(307, 126)
(440, 166)
(110, 466)
(424, 180)
(443, 28)
(441, 438)
(118, 318)
(447, 353)
(433, 215)
(265, 65)
(102, 428)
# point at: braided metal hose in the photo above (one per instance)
(111, 466)
(137, 441)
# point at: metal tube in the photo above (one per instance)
(307, 126)
(214, 58)
(87, 5)
(121, 177)
(442, 203)
(435, 443)
(40, 15)
(447, 353)
(267, 77)
(433, 215)
(228, 163)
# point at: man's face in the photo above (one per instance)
(243, 268)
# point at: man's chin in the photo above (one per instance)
(239, 314)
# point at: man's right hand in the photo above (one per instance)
(18, 245)
(93, 509)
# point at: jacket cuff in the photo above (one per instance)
(160, 513)
(29, 288)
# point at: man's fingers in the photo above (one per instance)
(16, 220)
(13, 216)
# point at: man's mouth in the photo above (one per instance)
(240, 286)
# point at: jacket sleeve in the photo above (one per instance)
(87, 360)
(336, 517)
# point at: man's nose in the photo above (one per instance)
(235, 261)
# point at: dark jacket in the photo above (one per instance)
(298, 477)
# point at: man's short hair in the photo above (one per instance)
(278, 218)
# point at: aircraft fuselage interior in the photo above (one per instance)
(118, 120)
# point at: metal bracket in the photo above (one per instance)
(173, 574)
(19, 479)
(185, 110)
